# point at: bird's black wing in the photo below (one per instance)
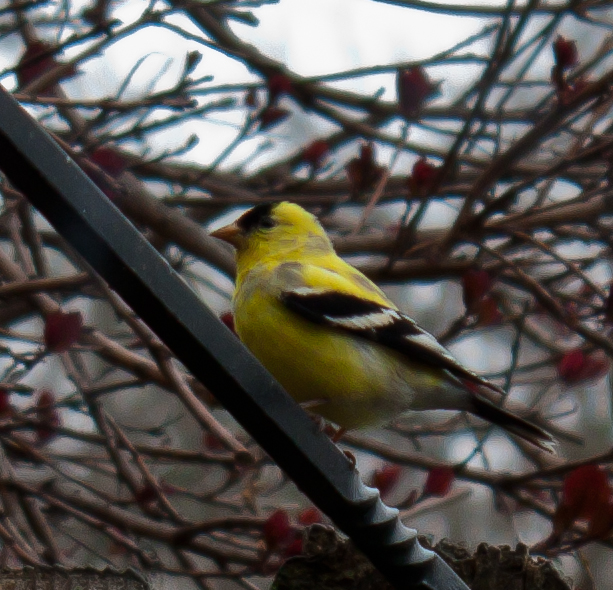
(378, 323)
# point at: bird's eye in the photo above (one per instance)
(267, 223)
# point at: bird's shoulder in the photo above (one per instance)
(329, 276)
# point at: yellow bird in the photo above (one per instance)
(331, 337)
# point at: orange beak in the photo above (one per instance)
(229, 233)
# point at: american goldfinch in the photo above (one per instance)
(331, 337)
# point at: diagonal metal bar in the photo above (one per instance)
(85, 217)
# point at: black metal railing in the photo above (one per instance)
(80, 212)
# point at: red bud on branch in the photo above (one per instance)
(476, 284)
(293, 548)
(212, 442)
(228, 319)
(251, 98)
(386, 478)
(423, 176)
(111, 160)
(5, 404)
(37, 60)
(272, 116)
(310, 516)
(363, 172)
(47, 415)
(277, 529)
(576, 366)
(62, 330)
(489, 312)
(439, 481)
(586, 495)
(414, 88)
(314, 153)
(279, 84)
(565, 53)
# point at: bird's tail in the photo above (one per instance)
(512, 423)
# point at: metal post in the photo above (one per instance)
(86, 218)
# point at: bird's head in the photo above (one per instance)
(275, 231)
